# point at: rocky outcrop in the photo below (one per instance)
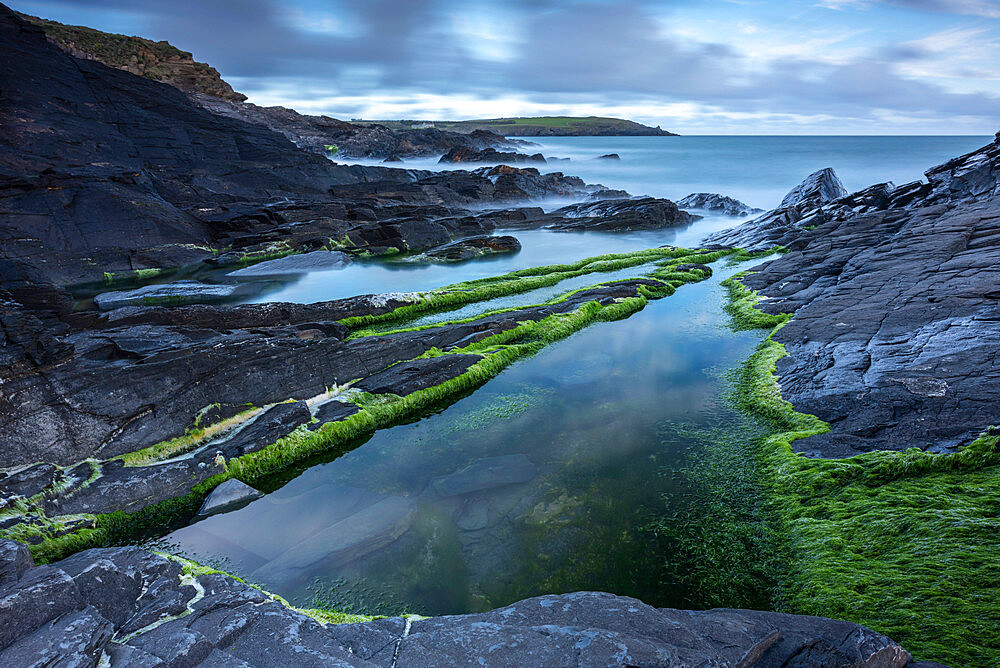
(489, 156)
(607, 215)
(128, 607)
(717, 204)
(796, 211)
(895, 301)
(471, 248)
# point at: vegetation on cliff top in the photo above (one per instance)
(159, 61)
(534, 126)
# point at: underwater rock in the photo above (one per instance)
(485, 474)
(230, 495)
(351, 538)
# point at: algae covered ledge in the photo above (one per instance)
(900, 542)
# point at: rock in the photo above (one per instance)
(488, 156)
(295, 264)
(609, 156)
(717, 203)
(473, 247)
(647, 213)
(486, 474)
(277, 421)
(178, 292)
(159, 616)
(367, 530)
(233, 494)
(474, 516)
(891, 356)
(15, 560)
(818, 188)
(418, 374)
(73, 639)
(334, 411)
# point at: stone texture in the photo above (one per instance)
(164, 617)
(717, 204)
(230, 495)
(295, 264)
(179, 292)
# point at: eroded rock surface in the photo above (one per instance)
(718, 204)
(895, 295)
(139, 609)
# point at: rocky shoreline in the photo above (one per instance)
(114, 422)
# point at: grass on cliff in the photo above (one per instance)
(906, 543)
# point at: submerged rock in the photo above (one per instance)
(178, 292)
(717, 203)
(485, 474)
(295, 264)
(609, 156)
(230, 495)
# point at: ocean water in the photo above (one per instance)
(756, 170)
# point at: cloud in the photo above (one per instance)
(419, 58)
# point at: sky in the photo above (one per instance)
(693, 67)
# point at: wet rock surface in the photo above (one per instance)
(895, 297)
(718, 204)
(489, 156)
(139, 609)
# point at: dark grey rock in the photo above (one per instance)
(407, 377)
(73, 639)
(178, 292)
(15, 560)
(277, 421)
(472, 247)
(609, 156)
(717, 203)
(334, 411)
(41, 595)
(230, 495)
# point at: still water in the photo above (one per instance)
(538, 482)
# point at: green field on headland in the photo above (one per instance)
(537, 126)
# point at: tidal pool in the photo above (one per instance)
(538, 482)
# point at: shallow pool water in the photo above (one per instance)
(538, 482)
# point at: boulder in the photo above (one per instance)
(232, 494)
(472, 247)
(609, 156)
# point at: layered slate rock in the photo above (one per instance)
(230, 495)
(895, 332)
(138, 609)
(179, 292)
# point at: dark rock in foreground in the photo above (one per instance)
(139, 609)
(717, 203)
(473, 247)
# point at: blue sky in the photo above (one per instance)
(710, 67)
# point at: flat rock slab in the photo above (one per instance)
(419, 374)
(230, 495)
(334, 411)
(292, 265)
(178, 292)
(352, 538)
(69, 611)
(485, 474)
